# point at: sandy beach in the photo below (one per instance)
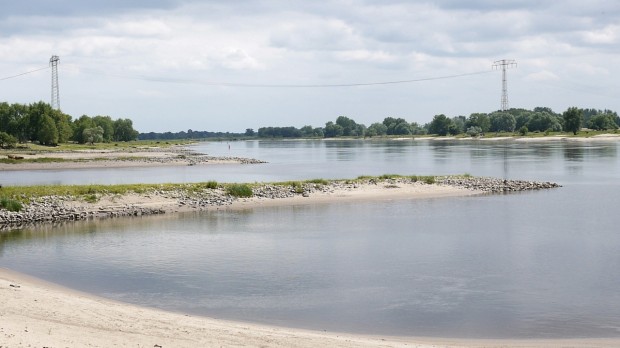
(34, 313)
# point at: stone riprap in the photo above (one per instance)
(63, 208)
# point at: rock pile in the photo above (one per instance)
(494, 185)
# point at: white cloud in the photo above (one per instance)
(300, 42)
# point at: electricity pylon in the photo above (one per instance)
(504, 64)
(55, 93)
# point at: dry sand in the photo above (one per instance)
(34, 313)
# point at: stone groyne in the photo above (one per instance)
(50, 209)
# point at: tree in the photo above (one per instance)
(502, 122)
(572, 120)
(474, 131)
(106, 123)
(7, 140)
(479, 120)
(603, 122)
(376, 129)
(79, 125)
(93, 135)
(123, 130)
(333, 130)
(397, 126)
(440, 125)
(47, 132)
(350, 127)
(249, 132)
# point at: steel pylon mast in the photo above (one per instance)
(55, 92)
(504, 64)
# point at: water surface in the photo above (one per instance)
(532, 265)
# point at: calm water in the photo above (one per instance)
(540, 264)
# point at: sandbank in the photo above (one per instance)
(122, 158)
(35, 313)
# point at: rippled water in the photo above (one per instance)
(540, 264)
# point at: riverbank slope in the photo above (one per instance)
(34, 313)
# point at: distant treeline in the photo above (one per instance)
(40, 123)
(541, 119)
(190, 134)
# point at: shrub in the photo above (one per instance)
(239, 190)
(211, 184)
(474, 131)
(428, 179)
(10, 204)
(297, 187)
(523, 131)
(91, 198)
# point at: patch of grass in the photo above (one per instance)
(389, 176)
(211, 184)
(239, 190)
(318, 181)
(428, 179)
(32, 160)
(366, 177)
(10, 204)
(92, 198)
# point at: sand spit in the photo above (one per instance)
(163, 200)
(139, 157)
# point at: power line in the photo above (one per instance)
(261, 85)
(24, 73)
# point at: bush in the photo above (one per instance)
(10, 204)
(239, 190)
(474, 131)
(428, 179)
(211, 184)
(523, 131)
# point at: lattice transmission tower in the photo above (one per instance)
(55, 92)
(504, 64)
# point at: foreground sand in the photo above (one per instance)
(34, 313)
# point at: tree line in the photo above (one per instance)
(540, 119)
(40, 123)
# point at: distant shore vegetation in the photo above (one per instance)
(539, 121)
(40, 124)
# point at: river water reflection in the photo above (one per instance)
(531, 265)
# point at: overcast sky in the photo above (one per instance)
(173, 65)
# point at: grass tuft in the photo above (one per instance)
(10, 204)
(239, 190)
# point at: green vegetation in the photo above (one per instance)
(318, 181)
(32, 160)
(211, 185)
(10, 204)
(40, 123)
(239, 190)
(508, 123)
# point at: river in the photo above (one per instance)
(531, 265)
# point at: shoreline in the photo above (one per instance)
(100, 203)
(123, 158)
(34, 312)
(183, 156)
